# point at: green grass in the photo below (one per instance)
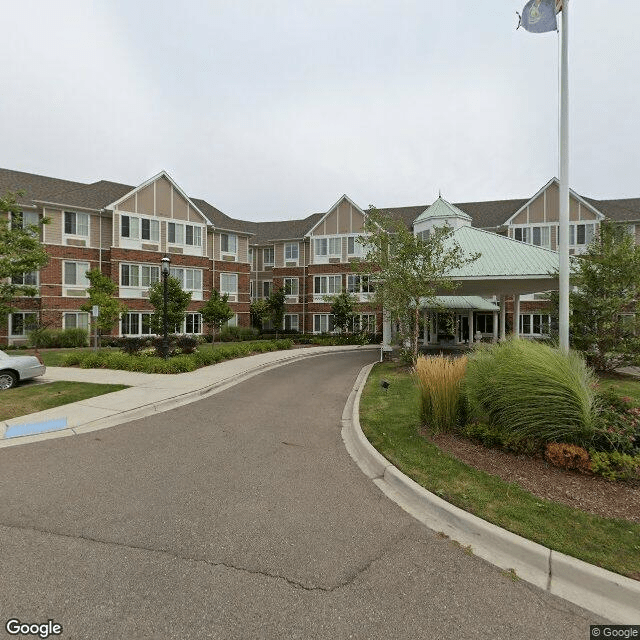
(623, 385)
(390, 420)
(50, 357)
(22, 400)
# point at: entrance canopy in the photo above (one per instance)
(458, 303)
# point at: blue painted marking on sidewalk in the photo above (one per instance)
(36, 427)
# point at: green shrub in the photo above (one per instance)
(492, 436)
(131, 346)
(614, 465)
(617, 424)
(532, 391)
(187, 344)
(58, 339)
(236, 334)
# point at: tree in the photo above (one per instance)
(21, 252)
(177, 303)
(216, 311)
(343, 310)
(408, 269)
(276, 307)
(605, 286)
(103, 292)
(259, 312)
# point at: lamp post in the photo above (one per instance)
(166, 262)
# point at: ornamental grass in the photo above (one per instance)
(533, 391)
(439, 380)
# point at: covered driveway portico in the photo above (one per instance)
(505, 268)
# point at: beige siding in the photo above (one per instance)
(216, 246)
(638, 234)
(553, 200)
(357, 221)
(145, 201)
(163, 197)
(536, 210)
(587, 214)
(331, 222)
(278, 254)
(180, 207)
(94, 231)
(521, 218)
(343, 217)
(53, 233)
(116, 227)
(128, 205)
(243, 249)
(107, 232)
(553, 232)
(574, 213)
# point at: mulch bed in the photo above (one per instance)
(592, 494)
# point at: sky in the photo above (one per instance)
(273, 110)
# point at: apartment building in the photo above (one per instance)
(125, 231)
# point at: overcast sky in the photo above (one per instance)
(272, 110)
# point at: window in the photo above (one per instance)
(291, 322)
(184, 234)
(320, 246)
(229, 283)
(75, 274)
(322, 323)
(29, 278)
(138, 275)
(354, 248)
(251, 290)
(189, 279)
(581, 234)
(136, 324)
(424, 235)
(193, 323)
(365, 322)
(359, 284)
(520, 233)
(232, 322)
(541, 237)
(484, 322)
(76, 224)
(22, 322)
(251, 257)
(266, 288)
(268, 257)
(291, 252)
(228, 243)
(75, 320)
(534, 324)
(25, 219)
(291, 286)
(327, 285)
(335, 246)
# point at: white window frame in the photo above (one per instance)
(232, 290)
(291, 252)
(231, 242)
(140, 323)
(269, 285)
(82, 316)
(179, 230)
(26, 327)
(77, 215)
(360, 285)
(327, 286)
(294, 290)
(290, 317)
(77, 289)
(135, 238)
(543, 317)
(366, 320)
(186, 274)
(27, 275)
(270, 261)
(192, 317)
(323, 323)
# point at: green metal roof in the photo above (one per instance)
(442, 209)
(502, 257)
(459, 303)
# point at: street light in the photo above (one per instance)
(166, 262)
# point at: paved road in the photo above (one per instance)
(242, 516)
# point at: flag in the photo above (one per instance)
(539, 16)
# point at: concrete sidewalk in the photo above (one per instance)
(147, 394)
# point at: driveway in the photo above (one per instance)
(242, 516)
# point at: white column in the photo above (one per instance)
(425, 327)
(470, 327)
(386, 331)
(516, 315)
(495, 326)
(434, 327)
(503, 318)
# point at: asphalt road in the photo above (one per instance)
(242, 516)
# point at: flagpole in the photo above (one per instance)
(564, 181)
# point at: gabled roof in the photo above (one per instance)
(625, 210)
(543, 189)
(34, 186)
(338, 201)
(442, 209)
(94, 196)
(267, 232)
(221, 220)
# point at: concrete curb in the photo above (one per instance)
(172, 402)
(607, 594)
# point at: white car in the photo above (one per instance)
(14, 369)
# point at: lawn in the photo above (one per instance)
(30, 397)
(390, 420)
(623, 385)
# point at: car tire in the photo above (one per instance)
(8, 379)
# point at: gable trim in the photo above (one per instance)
(335, 204)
